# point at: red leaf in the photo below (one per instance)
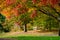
(9, 2)
(15, 11)
(19, 6)
(44, 2)
(33, 14)
(34, 1)
(53, 2)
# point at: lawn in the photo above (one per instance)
(34, 38)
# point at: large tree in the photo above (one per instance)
(45, 6)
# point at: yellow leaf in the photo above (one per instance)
(31, 9)
(5, 13)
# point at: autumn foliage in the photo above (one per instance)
(9, 2)
(30, 11)
(21, 8)
(34, 14)
(15, 11)
(53, 2)
(44, 2)
(34, 1)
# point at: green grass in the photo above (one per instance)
(36, 38)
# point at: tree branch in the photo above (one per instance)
(45, 12)
(54, 9)
(48, 14)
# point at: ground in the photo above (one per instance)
(29, 33)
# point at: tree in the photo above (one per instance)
(25, 19)
(2, 20)
(39, 5)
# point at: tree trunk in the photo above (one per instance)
(59, 32)
(59, 28)
(25, 28)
